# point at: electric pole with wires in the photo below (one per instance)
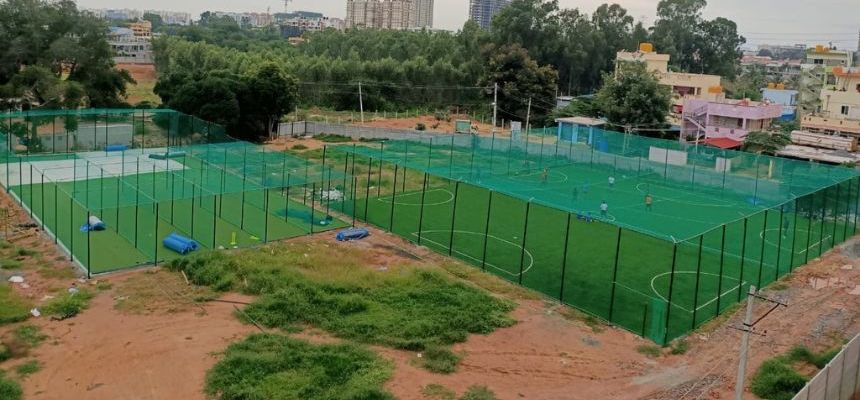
(748, 328)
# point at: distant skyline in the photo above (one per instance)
(760, 21)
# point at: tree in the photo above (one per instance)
(266, 95)
(520, 78)
(766, 142)
(695, 44)
(154, 19)
(765, 53)
(52, 55)
(633, 97)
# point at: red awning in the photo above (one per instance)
(723, 143)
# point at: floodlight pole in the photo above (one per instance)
(528, 116)
(495, 105)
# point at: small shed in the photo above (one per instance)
(462, 126)
(570, 128)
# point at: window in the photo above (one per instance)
(844, 110)
(858, 87)
(818, 61)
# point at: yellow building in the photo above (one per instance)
(684, 85)
(142, 29)
(840, 105)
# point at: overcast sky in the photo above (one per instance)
(761, 21)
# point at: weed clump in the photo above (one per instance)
(267, 366)
(440, 360)
(68, 305)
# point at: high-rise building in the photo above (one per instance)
(482, 11)
(382, 14)
(422, 11)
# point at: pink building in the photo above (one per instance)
(725, 123)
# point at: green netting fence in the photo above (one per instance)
(149, 173)
(654, 236)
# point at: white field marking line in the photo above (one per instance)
(438, 203)
(715, 250)
(526, 268)
(692, 203)
(761, 235)
(736, 287)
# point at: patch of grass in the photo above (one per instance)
(332, 138)
(777, 380)
(336, 290)
(9, 389)
(28, 368)
(25, 252)
(68, 305)
(440, 360)
(649, 350)
(778, 286)
(299, 147)
(819, 360)
(102, 286)
(680, 347)
(13, 307)
(5, 352)
(477, 392)
(438, 392)
(266, 366)
(10, 264)
(30, 335)
(54, 272)
(420, 126)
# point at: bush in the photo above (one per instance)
(440, 360)
(5, 352)
(649, 350)
(308, 285)
(420, 126)
(10, 264)
(299, 147)
(332, 138)
(266, 366)
(9, 389)
(680, 347)
(68, 305)
(437, 391)
(476, 392)
(30, 335)
(15, 308)
(777, 380)
(29, 367)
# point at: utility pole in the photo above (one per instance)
(495, 105)
(360, 102)
(528, 114)
(748, 328)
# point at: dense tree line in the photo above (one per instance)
(534, 50)
(52, 56)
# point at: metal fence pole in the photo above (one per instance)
(614, 274)
(793, 236)
(564, 258)
(453, 218)
(421, 211)
(523, 246)
(761, 254)
(698, 279)
(671, 284)
(393, 202)
(722, 262)
(823, 217)
(487, 231)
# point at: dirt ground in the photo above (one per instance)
(145, 338)
(429, 121)
(144, 75)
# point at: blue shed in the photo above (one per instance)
(571, 128)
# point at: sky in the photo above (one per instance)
(760, 21)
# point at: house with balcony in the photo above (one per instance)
(725, 123)
(840, 106)
(684, 85)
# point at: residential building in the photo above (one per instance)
(725, 123)
(141, 29)
(172, 17)
(168, 17)
(129, 48)
(683, 85)
(839, 111)
(422, 10)
(297, 23)
(778, 94)
(482, 11)
(816, 74)
(245, 19)
(381, 14)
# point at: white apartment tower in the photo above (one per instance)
(389, 14)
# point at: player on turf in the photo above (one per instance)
(575, 194)
(604, 208)
(786, 224)
(648, 201)
(611, 181)
(544, 175)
